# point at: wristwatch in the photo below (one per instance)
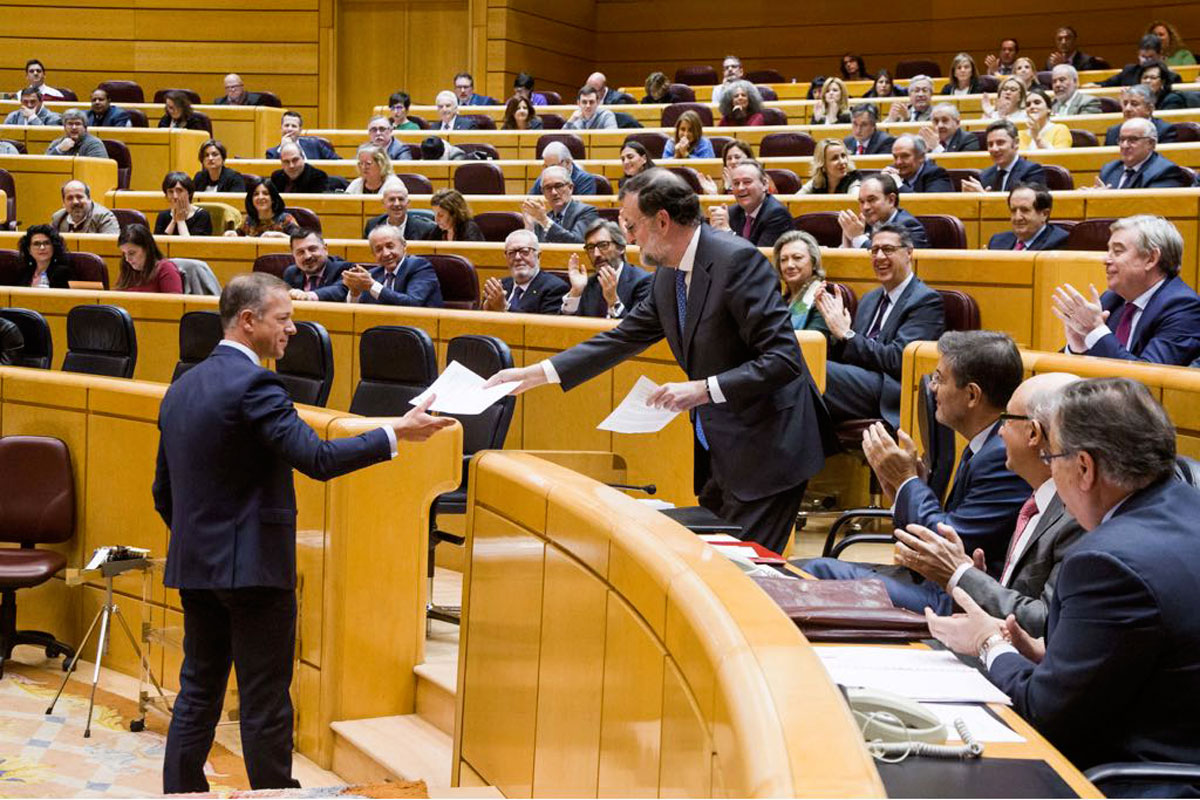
(988, 643)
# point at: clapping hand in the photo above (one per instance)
(965, 633)
(607, 276)
(1079, 315)
(991, 63)
(937, 556)
(718, 218)
(493, 295)
(834, 312)
(852, 224)
(534, 211)
(577, 274)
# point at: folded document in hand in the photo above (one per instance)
(460, 391)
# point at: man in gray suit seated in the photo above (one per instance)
(1068, 100)
(558, 218)
(1044, 529)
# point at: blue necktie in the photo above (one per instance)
(681, 304)
(959, 480)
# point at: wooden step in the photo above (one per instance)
(403, 747)
(437, 682)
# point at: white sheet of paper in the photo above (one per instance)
(634, 416)
(736, 553)
(925, 675)
(720, 538)
(655, 503)
(460, 391)
(980, 722)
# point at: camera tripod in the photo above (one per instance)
(109, 570)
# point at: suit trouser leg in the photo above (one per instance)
(263, 625)
(207, 656)
(852, 392)
(904, 594)
(768, 520)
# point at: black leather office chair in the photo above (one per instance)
(38, 351)
(483, 355)
(39, 508)
(100, 341)
(1142, 778)
(396, 363)
(306, 368)
(199, 333)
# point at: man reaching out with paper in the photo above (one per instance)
(760, 427)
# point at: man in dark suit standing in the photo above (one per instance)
(863, 374)
(879, 202)
(558, 218)
(413, 227)
(1044, 529)
(615, 287)
(529, 289)
(399, 280)
(1008, 167)
(1029, 207)
(1148, 312)
(1139, 166)
(757, 216)
(230, 439)
(760, 428)
(912, 171)
(314, 269)
(944, 134)
(1116, 678)
(865, 138)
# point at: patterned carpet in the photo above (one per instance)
(47, 756)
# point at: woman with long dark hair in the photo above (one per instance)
(143, 267)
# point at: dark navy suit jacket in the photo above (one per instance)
(1051, 237)
(415, 284)
(229, 440)
(962, 141)
(930, 178)
(1022, 171)
(772, 221)
(982, 507)
(914, 226)
(1165, 133)
(880, 143)
(330, 276)
(1156, 173)
(1120, 680)
(313, 148)
(1168, 332)
(632, 287)
(543, 295)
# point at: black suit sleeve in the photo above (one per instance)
(924, 320)
(777, 223)
(162, 484)
(551, 296)
(640, 328)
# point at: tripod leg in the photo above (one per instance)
(144, 658)
(71, 666)
(101, 646)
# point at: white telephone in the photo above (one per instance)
(896, 727)
(891, 718)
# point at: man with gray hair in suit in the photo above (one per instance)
(559, 218)
(76, 141)
(1068, 100)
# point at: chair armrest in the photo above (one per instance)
(845, 519)
(1165, 771)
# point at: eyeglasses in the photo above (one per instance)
(40, 243)
(554, 187)
(1130, 139)
(1048, 458)
(886, 249)
(1006, 417)
(597, 247)
(523, 252)
(379, 129)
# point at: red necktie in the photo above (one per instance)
(1027, 512)
(746, 228)
(861, 149)
(1020, 245)
(1125, 326)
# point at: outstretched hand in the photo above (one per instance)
(528, 376)
(418, 424)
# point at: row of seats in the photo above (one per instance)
(706, 75)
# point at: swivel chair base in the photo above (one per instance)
(10, 637)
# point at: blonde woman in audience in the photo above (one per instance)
(834, 106)
(1173, 49)
(374, 171)
(798, 262)
(689, 141)
(1025, 71)
(265, 216)
(1039, 132)
(1009, 103)
(833, 171)
(143, 267)
(453, 218)
(964, 77)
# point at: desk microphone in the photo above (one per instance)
(649, 488)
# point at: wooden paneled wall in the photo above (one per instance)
(272, 44)
(388, 45)
(632, 38)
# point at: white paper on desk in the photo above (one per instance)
(460, 391)
(720, 538)
(746, 554)
(634, 416)
(924, 675)
(980, 722)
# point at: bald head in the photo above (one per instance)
(1024, 439)
(598, 82)
(235, 89)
